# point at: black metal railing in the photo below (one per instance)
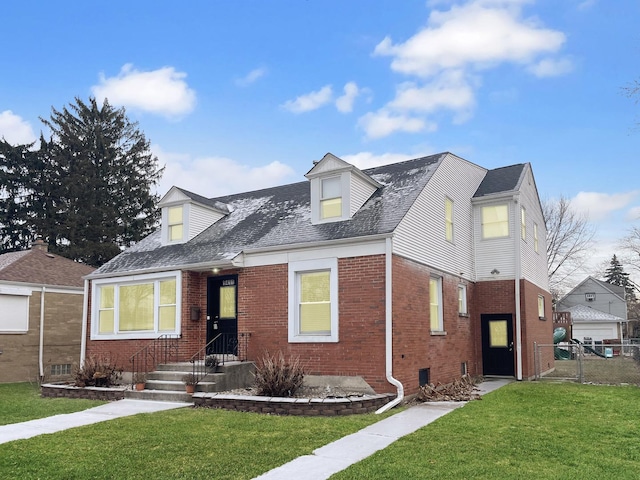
(163, 349)
(223, 348)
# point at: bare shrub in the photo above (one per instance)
(98, 372)
(277, 376)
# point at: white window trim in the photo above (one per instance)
(523, 223)
(535, 238)
(23, 327)
(132, 280)
(186, 206)
(446, 223)
(330, 264)
(316, 197)
(465, 307)
(541, 314)
(482, 224)
(440, 330)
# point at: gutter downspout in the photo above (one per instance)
(389, 331)
(518, 274)
(41, 346)
(85, 309)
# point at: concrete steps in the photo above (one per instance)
(165, 383)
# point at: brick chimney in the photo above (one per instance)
(40, 244)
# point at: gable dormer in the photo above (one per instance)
(185, 215)
(338, 189)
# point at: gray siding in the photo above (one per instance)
(495, 254)
(200, 218)
(360, 193)
(605, 301)
(420, 235)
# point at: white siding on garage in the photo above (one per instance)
(420, 235)
(597, 331)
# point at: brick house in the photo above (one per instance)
(414, 272)
(40, 314)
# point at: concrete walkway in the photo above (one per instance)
(108, 411)
(321, 464)
(338, 455)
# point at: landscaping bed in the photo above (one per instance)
(59, 390)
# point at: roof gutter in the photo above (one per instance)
(322, 243)
(389, 330)
(189, 266)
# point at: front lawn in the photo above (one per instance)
(524, 430)
(20, 402)
(184, 443)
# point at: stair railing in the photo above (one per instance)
(222, 348)
(163, 349)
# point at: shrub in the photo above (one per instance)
(98, 372)
(277, 376)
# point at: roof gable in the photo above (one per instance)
(501, 180)
(280, 217)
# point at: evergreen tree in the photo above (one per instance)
(615, 275)
(87, 190)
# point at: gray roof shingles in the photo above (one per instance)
(280, 216)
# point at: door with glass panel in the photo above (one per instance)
(497, 344)
(222, 316)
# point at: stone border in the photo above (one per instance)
(53, 390)
(293, 406)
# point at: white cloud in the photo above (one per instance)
(633, 214)
(215, 176)
(163, 91)
(251, 77)
(478, 34)
(364, 160)
(383, 123)
(448, 91)
(310, 101)
(550, 67)
(14, 129)
(344, 103)
(598, 206)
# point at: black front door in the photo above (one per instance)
(222, 316)
(497, 344)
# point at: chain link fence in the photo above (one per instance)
(609, 364)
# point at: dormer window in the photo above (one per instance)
(331, 198)
(175, 217)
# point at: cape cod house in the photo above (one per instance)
(403, 274)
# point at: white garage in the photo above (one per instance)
(594, 324)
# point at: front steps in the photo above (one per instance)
(165, 383)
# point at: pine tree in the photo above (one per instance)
(87, 190)
(615, 275)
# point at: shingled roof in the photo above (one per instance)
(281, 216)
(38, 267)
(500, 180)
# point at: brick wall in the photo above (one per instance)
(263, 311)
(499, 297)
(414, 347)
(62, 333)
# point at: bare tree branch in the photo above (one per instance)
(569, 241)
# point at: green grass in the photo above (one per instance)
(524, 430)
(20, 402)
(185, 443)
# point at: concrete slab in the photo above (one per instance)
(57, 423)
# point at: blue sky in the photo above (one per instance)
(239, 95)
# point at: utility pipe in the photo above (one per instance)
(518, 274)
(41, 346)
(389, 331)
(85, 309)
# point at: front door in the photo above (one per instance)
(497, 344)
(222, 316)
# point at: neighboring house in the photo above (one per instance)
(603, 311)
(40, 314)
(414, 272)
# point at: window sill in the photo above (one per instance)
(465, 315)
(438, 333)
(312, 339)
(135, 336)
(544, 319)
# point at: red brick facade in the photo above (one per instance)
(263, 312)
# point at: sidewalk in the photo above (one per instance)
(338, 455)
(108, 411)
(320, 465)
